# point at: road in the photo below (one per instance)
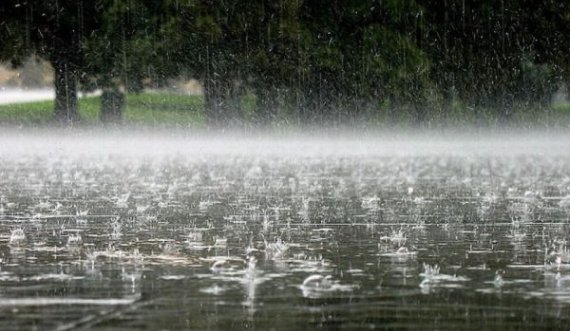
(8, 96)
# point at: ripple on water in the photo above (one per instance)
(319, 286)
(242, 238)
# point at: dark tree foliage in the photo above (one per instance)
(362, 53)
(497, 54)
(228, 45)
(314, 59)
(91, 44)
(124, 53)
(309, 61)
(54, 30)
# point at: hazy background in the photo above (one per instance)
(418, 63)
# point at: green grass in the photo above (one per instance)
(562, 109)
(145, 109)
(182, 111)
(26, 113)
(165, 109)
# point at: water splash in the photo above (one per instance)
(318, 286)
(17, 237)
(275, 250)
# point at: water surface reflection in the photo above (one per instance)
(296, 241)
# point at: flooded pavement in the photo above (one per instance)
(159, 234)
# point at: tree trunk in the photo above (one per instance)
(66, 111)
(112, 105)
(215, 105)
(216, 95)
(267, 105)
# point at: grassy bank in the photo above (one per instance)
(182, 111)
(146, 109)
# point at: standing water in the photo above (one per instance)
(132, 233)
